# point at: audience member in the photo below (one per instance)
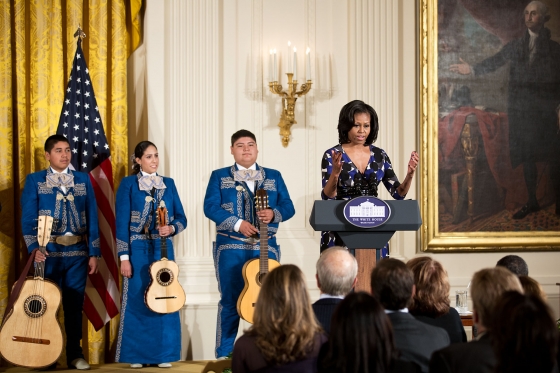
(392, 284)
(361, 339)
(285, 336)
(336, 276)
(514, 263)
(532, 287)
(430, 303)
(524, 334)
(487, 286)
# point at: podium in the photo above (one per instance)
(328, 216)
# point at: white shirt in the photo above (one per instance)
(404, 310)
(250, 185)
(327, 296)
(532, 44)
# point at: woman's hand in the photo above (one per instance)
(40, 257)
(413, 163)
(165, 231)
(126, 268)
(266, 215)
(336, 163)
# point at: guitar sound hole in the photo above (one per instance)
(35, 306)
(164, 277)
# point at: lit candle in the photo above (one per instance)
(289, 57)
(308, 72)
(295, 64)
(275, 71)
(270, 66)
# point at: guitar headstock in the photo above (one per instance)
(162, 214)
(44, 227)
(261, 200)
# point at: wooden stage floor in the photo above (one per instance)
(180, 366)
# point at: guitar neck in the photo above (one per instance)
(40, 267)
(263, 258)
(163, 247)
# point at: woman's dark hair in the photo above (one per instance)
(138, 153)
(346, 121)
(361, 337)
(524, 334)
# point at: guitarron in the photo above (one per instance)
(31, 335)
(164, 294)
(255, 270)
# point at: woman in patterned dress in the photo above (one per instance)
(356, 155)
(146, 337)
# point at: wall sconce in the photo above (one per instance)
(289, 97)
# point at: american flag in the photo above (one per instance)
(80, 123)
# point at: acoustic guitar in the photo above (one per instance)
(164, 294)
(255, 270)
(31, 336)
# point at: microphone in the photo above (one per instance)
(372, 185)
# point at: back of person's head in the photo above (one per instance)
(361, 338)
(487, 286)
(532, 287)
(336, 271)
(524, 334)
(514, 263)
(392, 284)
(431, 297)
(284, 322)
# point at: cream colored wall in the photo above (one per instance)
(201, 74)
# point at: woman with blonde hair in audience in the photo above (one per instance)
(430, 302)
(285, 336)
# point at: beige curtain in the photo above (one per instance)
(36, 51)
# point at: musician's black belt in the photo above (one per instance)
(249, 240)
(67, 240)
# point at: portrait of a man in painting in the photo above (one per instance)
(498, 92)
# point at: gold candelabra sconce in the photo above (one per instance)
(289, 98)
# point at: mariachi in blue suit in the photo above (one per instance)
(227, 201)
(137, 237)
(72, 205)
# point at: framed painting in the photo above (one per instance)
(490, 128)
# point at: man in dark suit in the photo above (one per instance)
(533, 101)
(487, 286)
(392, 284)
(336, 276)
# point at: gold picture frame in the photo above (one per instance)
(433, 238)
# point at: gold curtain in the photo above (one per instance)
(36, 51)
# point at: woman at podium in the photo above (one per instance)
(355, 166)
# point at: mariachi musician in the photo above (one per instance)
(229, 202)
(138, 244)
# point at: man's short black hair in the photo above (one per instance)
(52, 140)
(392, 283)
(514, 263)
(242, 133)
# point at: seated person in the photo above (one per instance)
(392, 284)
(532, 287)
(336, 276)
(430, 303)
(487, 286)
(524, 334)
(285, 336)
(515, 264)
(361, 339)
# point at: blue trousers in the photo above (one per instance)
(146, 337)
(229, 257)
(70, 274)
